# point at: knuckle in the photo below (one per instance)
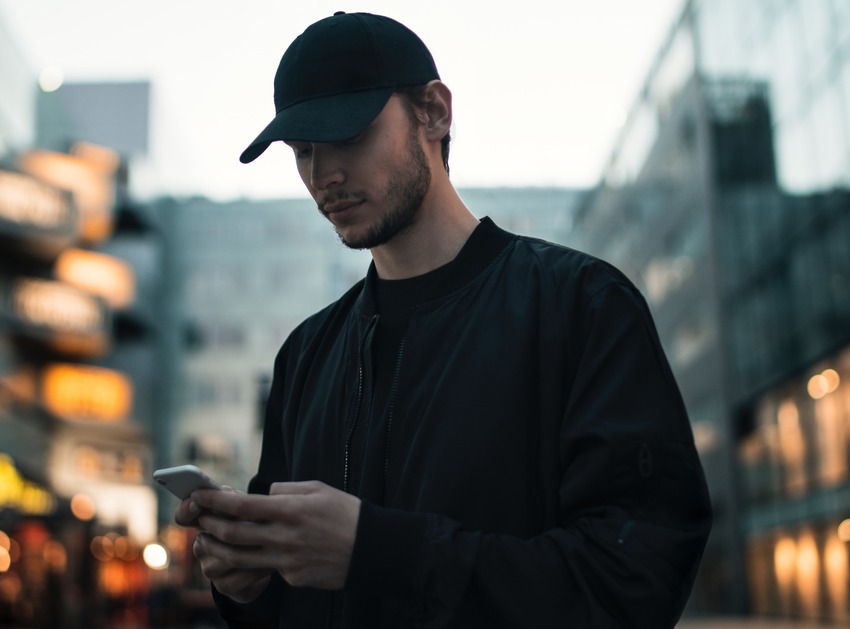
(295, 578)
(226, 534)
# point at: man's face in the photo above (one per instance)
(371, 186)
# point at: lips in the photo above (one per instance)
(340, 206)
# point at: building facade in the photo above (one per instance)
(727, 200)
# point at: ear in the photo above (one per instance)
(438, 111)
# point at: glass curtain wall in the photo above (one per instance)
(727, 200)
(783, 242)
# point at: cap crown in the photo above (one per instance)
(338, 75)
(351, 52)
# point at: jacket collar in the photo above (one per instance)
(485, 243)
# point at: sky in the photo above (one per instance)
(540, 87)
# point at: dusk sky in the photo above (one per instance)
(540, 88)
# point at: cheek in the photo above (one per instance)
(302, 169)
(304, 173)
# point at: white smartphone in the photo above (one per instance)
(184, 479)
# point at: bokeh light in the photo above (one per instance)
(155, 556)
(83, 507)
(51, 78)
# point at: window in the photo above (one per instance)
(214, 391)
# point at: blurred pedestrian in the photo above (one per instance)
(484, 432)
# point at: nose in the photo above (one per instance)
(325, 169)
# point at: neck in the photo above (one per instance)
(443, 225)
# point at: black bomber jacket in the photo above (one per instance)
(538, 465)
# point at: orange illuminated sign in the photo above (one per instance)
(64, 316)
(56, 306)
(35, 218)
(86, 392)
(98, 273)
(90, 182)
(27, 201)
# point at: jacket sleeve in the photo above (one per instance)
(633, 507)
(264, 612)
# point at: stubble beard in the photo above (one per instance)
(405, 193)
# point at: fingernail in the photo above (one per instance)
(194, 509)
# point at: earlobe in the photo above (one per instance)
(439, 111)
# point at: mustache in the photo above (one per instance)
(338, 197)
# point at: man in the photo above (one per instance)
(484, 432)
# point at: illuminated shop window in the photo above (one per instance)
(807, 573)
(792, 445)
(800, 442)
(801, 572)
(836, 565)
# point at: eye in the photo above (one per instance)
(355, 139)
(301, 149)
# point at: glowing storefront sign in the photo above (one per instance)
(66, 317)
(98, 273)
(35, 218)
(29, 202)
(53, 305)
(88, 176)
(120, 464)
(20, 494)
(111, 464)
(85, 392)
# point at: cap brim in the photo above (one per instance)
(327, 119)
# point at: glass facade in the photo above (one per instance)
(795, 468)
(727, 201)
(799, 49)
(783, 245)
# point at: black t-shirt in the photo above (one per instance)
(395, 300)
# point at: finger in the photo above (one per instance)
(219, 558)
(219, 570)
(247, 533)
(187, 513)
(236, 580)
(218, 500)
(254, 507)
(296, 488)
(243, 586)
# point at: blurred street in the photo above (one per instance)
(723, 622)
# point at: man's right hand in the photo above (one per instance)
(215, 559)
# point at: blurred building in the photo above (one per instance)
(241, 275)
(79, 349)
(727, 200)
(114, 114)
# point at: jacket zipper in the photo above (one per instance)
(361, 368)
(391, 409)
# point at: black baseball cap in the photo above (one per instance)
(336, 77)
